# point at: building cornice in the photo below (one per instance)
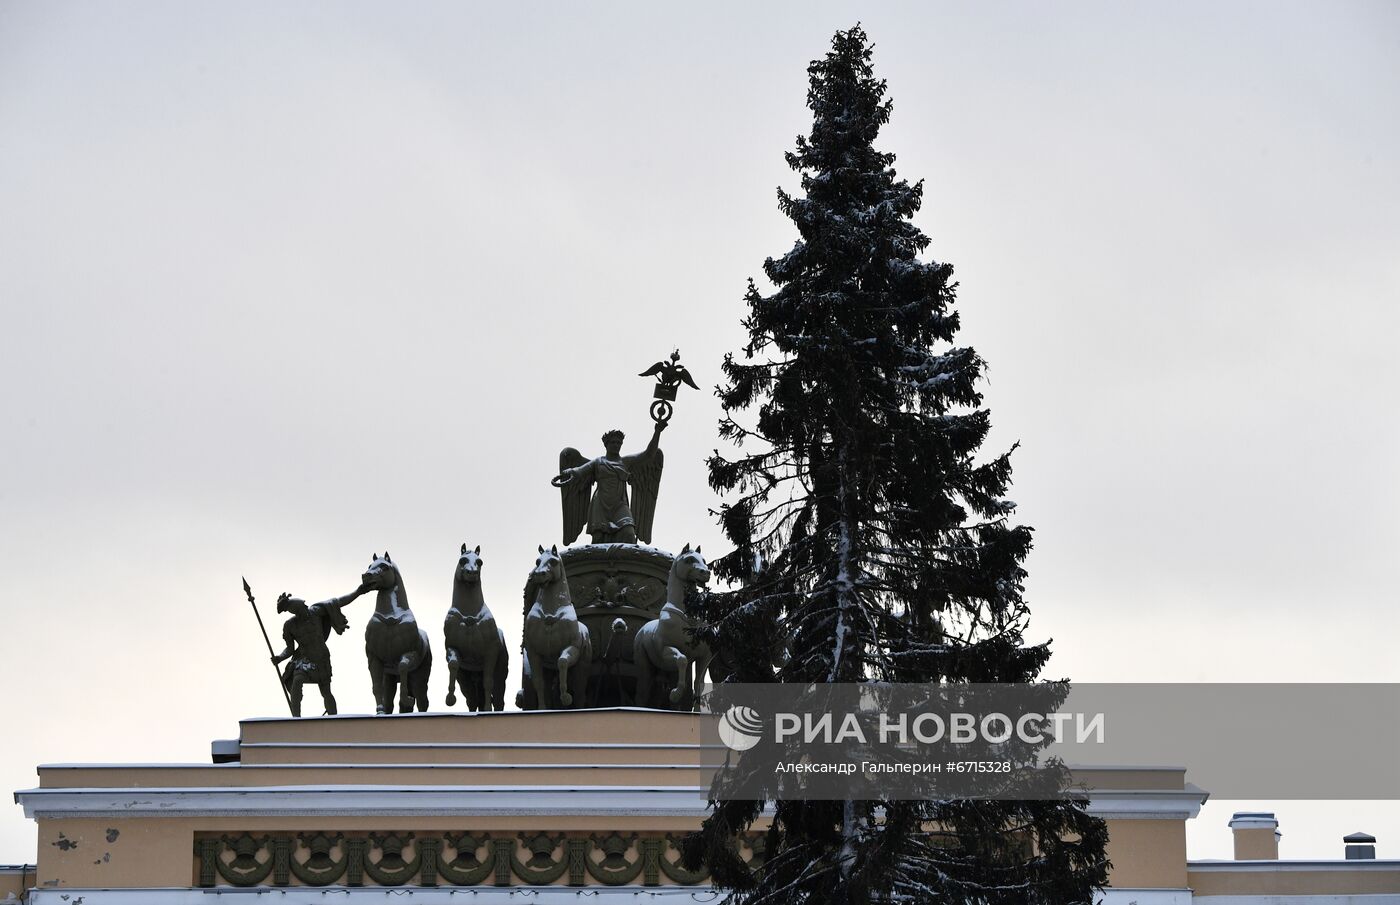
(1291, 866)
(366, 801)
(469, 801)
(1147, 804)
(535, 895)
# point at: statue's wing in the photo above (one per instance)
(646, 482)
(574, 495)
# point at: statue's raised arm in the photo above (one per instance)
(645, 470)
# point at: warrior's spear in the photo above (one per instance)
(286, 694)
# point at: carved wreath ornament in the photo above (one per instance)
(446, 859)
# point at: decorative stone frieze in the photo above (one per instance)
(325, 858)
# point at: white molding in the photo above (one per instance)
(1146, 804)
(588, 895)
(1318, 899)
(467, 801)
(479, 895)
(1254, 823)
(368, 801)
(336, 895)
(1131, 896)
(1127, 768)
(1290, 866)
(367, 766)
(589, 746)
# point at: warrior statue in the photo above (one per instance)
(306, 634)
(608, 513)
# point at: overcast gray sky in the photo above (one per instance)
(286, 283)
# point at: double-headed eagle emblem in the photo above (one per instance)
(669, 377)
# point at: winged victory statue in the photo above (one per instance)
(595, 492)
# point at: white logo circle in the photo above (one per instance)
(740, 728)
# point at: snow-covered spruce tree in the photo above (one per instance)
(887, 547)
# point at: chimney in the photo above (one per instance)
(1256, 836)
(1360, 847)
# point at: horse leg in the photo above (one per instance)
(453, 658)
(498, 684)
(677, 660)
(470, 692)
(703, 658)
(422, 673)
(537, 680)
(645, 672)
(524, 696)
(391, 685)
(475, 696)
(376, 678)
(579, 682)
(568, 657)
(405, 688)
(488, 675)
(498, 688)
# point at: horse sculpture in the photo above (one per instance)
(554, 638)
(667, 644)
(397, 648)
(476, 646)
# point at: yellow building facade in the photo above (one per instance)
(563, 807)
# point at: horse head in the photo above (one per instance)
(549, 567)
(469, 566)
(690, 567)
(381, 574)
(548, 585)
